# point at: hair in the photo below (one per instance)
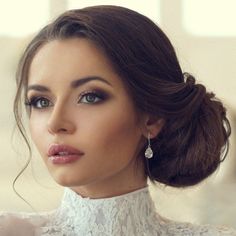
(194, 139)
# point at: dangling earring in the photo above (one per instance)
(149, 152)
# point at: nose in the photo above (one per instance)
(60, 120)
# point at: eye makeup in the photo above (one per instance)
(35, 101)
(90, 94)
(90, 97)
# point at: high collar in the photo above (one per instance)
(127, 214)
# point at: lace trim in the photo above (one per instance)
(131, 214)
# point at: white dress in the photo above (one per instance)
(131, 214)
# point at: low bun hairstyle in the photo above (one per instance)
(192, 141)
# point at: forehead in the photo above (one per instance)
(70, 59)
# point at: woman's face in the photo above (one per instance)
(93, 115)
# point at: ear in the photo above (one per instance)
(152, 125)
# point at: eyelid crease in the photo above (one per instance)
(91, 88)
(97, 93)
(92, 91)
(33, 99)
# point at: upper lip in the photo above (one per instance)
(54, 149)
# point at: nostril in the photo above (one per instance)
(56, 126)
(62, 129)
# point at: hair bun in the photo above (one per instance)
(194, 140)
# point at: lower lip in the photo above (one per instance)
(64, 159)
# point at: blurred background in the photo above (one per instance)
(203, 33)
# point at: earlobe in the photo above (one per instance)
(153, 125)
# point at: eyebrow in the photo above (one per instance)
(74, 84)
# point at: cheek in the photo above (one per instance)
(37, 131)
(114, 131)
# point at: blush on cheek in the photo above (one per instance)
(118, 137)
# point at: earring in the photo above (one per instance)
(149, 152)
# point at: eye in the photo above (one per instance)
(38, 102)
(91, 97)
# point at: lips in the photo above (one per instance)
(63, 154)
(61, 150)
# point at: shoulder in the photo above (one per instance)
(188, 229)
(34, 217)
(21, 223)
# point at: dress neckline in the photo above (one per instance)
(127, 214)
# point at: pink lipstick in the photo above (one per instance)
(63, 154)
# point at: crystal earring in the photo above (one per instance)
(149, 152)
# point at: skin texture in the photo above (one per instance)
(107, 130)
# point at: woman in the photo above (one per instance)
(109, 107)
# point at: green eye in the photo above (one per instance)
(43, 103)
(91, 97)
(38, 102)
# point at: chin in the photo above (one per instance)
(68, 180)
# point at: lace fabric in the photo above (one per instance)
(131, 214)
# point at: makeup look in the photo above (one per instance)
(83, 121)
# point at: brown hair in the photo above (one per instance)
(192, 143)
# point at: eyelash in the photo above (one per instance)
(32, 102)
